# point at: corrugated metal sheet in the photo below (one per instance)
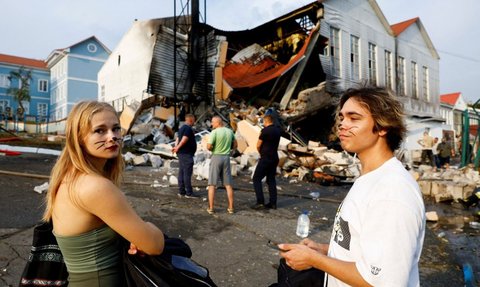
(257, 69)
(161, 81)
(192, 80)
(208, 59)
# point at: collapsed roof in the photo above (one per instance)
(265, 62)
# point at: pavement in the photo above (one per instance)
(234, 246)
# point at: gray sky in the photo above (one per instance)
(33, 29)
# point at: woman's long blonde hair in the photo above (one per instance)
(74, 159)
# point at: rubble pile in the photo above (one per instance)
(308, 100)
(315, 162)
(447, 184)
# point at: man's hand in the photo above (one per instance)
(322, 248)
(297, 256)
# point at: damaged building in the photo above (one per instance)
(298, 63)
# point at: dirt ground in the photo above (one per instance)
(233, 247)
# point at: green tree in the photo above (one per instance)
(20, 94)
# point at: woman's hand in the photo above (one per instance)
(134, 250)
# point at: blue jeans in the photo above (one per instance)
(268, 168)
(185, 171)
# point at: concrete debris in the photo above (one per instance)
(315, 194)
(200, 170)
(128, 157)
(431, 216)
(447, 184)
(41, 188)
(311, 99)
(312, 162)
(155, 160)
(172, 180)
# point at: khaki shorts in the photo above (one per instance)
(220, 170)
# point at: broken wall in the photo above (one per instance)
(124, 76)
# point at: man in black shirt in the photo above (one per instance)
(185, 148)
(267, 146)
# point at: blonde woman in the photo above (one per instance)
(88, 210)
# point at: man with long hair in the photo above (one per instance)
(379, 227)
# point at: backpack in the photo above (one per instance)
(173, 267)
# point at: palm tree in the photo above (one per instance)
(22, 93)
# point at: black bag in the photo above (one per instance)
(172, 268)
(287, 277)
(45, 265)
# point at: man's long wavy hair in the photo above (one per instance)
(74, 159)
(387, 111)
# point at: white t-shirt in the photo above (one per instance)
(434, 149)
(380, 226)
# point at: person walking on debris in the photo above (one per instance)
(221, 142)
(267, 146)
(88, 210)
(445, 150)
(185, 148)
(427, 143)
(435, 152)
(379, 227)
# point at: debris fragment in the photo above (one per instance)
(41, 188)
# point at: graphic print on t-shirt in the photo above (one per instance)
(341, 231)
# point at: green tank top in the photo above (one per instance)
(91, 251)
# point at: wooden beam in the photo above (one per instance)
(300, 67)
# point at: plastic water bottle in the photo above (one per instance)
(303, 224)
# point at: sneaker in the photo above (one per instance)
(181, 195)
(271, 205)
(191, 196)
(230, 211)
(258, 206)
(210, 211)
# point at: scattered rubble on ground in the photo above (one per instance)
(447, 184)
(311, 162)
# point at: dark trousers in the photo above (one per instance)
(427, 155)
(436, 158)
(444, 160)
(268, 168)
(185, 171)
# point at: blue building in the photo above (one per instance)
(74, 75)
(39, 86)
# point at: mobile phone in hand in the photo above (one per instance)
(274, 245)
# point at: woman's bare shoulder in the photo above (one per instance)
(92, 185)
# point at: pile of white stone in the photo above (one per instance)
(447, 184)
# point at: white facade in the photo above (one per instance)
(360, 38)
(358, 32)
(124, 77)
(359, 19)
(422, 91)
